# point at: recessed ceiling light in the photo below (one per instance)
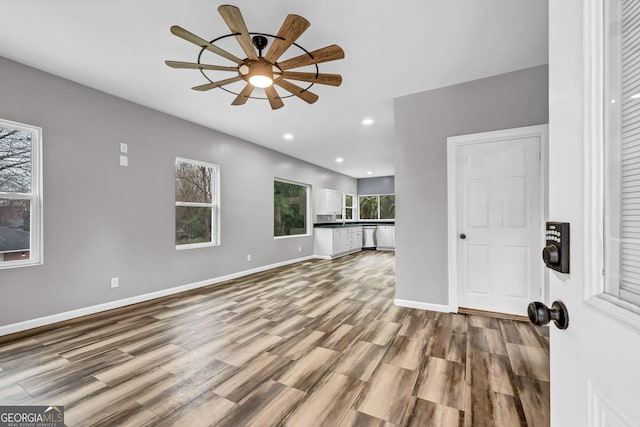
(367, 121)
(369, 173)
(339, 159)
(288, 136)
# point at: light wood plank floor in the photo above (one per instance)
(315, 343)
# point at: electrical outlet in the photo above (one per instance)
(115, 282)
(124, 161)
(249, 257)
(299, 248)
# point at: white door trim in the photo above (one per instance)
(453, 142)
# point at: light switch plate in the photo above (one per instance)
(124, 147)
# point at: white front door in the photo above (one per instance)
(595, 363)
(499, 204)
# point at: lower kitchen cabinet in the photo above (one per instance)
(332, 242)
(385, 237)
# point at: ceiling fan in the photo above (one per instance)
(263, 71)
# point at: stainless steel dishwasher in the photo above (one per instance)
(369, 236)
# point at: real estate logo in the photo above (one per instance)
(32, 416)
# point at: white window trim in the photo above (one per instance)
(378, 196)
(354, 199)
(35, 196)
(593, 232)
(308, 210)
(215, 205)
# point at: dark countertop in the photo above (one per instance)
(352, 224)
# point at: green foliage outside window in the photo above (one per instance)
(368, 207)
(388, 206)
(378, 206)
(289, 209)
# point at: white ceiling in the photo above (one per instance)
(392, 48)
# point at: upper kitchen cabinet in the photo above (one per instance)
(328, 202)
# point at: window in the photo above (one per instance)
(622, 150)
(290, 208)
(20, 195)
(197, 204)
(379, 206)
(348, 206)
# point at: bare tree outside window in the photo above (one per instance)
(15, 161)
(16, 198)
(195, 197)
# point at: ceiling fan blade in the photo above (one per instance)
(328, 53)
(219, 83)
(305, 95)
(274, 98)
(324, 79)
(192, 65)
(235, 22)
(190, 37)
(292, 28)
(243, 96)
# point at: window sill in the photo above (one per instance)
(17, 264)
(291, 236)
(196, 246)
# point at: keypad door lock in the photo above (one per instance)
(556, 251)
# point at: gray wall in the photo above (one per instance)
(103, 220)
(423, 122)
(376, 185)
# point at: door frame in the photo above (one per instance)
(453, 142)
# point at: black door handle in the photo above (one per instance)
(463, 236)
(540, 314)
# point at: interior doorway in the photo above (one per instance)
(496, 192)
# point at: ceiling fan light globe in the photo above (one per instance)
(258, 80)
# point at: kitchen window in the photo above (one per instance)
(377, 206)
(348, 207)
(290, 208)
(20, 195)
(197, 204)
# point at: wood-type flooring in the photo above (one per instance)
(317, 343)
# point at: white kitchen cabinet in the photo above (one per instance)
(354, 238)
(328, 202)
(385, 237)
(332, 242)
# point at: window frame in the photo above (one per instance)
(214, 205)
(34, 197)
(378, 207)
(307, 209)
(352, 207)
(595, 171)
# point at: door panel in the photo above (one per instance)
(499, 211)
(478, 272)
(516, 271)
(478, 203)
(597, 356)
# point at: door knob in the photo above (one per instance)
(540, 314)
(463, 236)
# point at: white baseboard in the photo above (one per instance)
(60, 317)
(421, 305)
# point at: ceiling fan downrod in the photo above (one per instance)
(260, 42)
